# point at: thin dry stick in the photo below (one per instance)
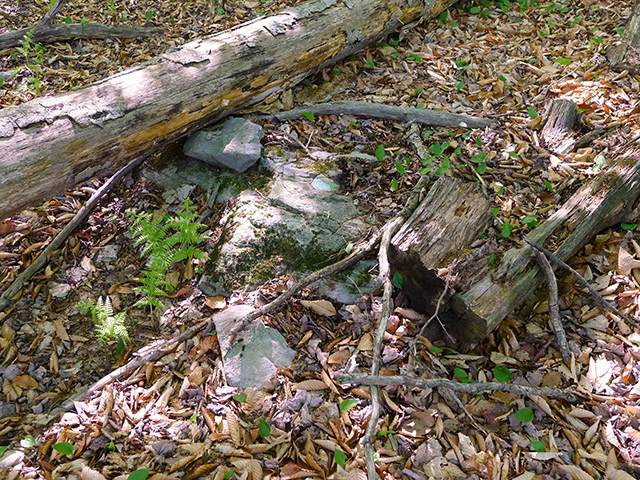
(385, 273)
(554, 313)
(57, 242)
(158, 352)
(437, 311)
(52, 12)
(364, 379)
(583, 283)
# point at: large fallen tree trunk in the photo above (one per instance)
(52, 143)
(606, 200)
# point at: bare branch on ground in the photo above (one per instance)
(554, 313)
(583, 283)
(64, 32)
(378, 110)
(364, 379)
(57, 242)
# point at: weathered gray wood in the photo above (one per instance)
(604, 201)
(62, 32)
(52, 143)
(557, 131)
(447, 221)
(625, 54)
(436, 118)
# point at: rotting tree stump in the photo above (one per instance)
(53, 143)
(441, 230)
(607, 199)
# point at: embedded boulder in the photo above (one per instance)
(294, 228)
(237, 146)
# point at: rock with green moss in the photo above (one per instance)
(295, 228)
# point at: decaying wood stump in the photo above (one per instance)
(53, 143)
(625, 54)
(446, 222)
(607, 199)
(557, 133)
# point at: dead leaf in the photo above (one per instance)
(25, 382)
(321, 307)
(309, 385)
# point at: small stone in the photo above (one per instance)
(236, 147)
(108, 254)
(325, 184)
(12, 371)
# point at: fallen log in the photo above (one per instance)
(605, 200)
(435, 118)
(52, 143)
(64, 32)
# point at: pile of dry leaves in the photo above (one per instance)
(176, 417)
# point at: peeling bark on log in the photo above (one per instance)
(52, 143)
(447, 221)
(557, 131)
(606, 200)
(625, 54)
(64, 32)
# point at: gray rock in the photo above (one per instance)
(325, 184)
(61, 290)
(347, 286)
(183, 174)
(257, 353)
(294, 228)
(236, 147)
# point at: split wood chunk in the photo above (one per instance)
(446, 222)
(53, 143)
(605, 200)
(557, 132)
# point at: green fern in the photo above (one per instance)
(108, 325)
(166, 240)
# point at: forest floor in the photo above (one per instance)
(178, 419)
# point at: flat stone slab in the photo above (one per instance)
(237, 146)
(258, 352)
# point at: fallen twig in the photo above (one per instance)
(52, 12)
(63, 32)
(554, 313)
(363, 379)
(57, 242)
(156, 353)
(385, 273)
(377, 110)
(583, 283)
